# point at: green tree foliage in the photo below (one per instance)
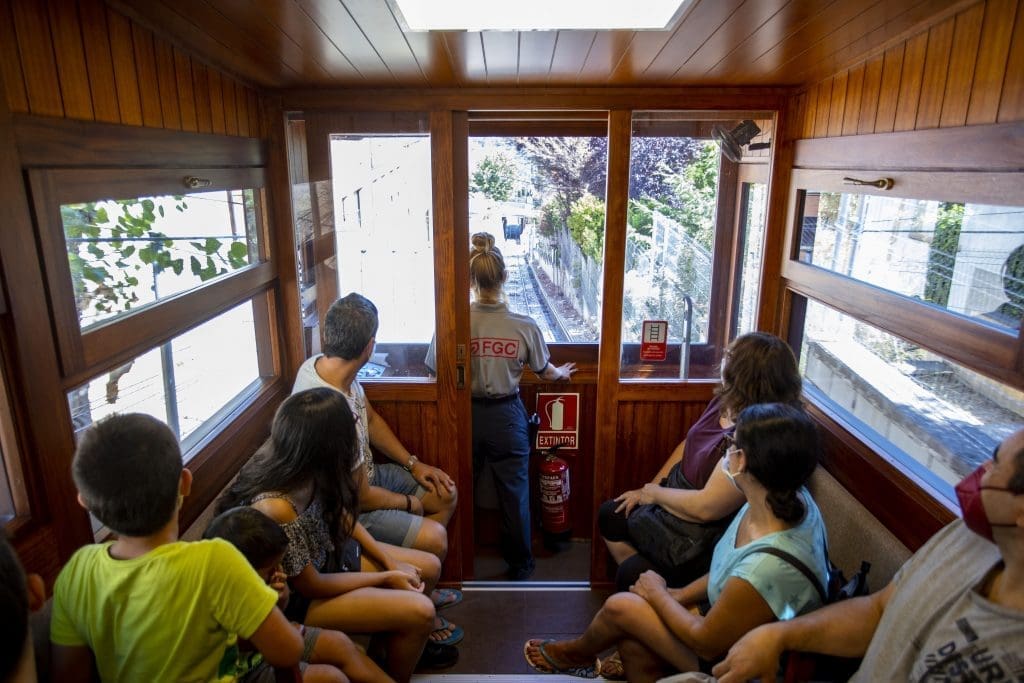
(696, 190)
(108, 251)
(942, 253)
(494, 177)
(586, 225)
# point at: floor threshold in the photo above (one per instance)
(526, 585)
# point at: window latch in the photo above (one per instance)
(192, 182)
(881, 183)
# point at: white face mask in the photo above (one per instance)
(725, 469)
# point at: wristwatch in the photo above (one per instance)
(411, 463)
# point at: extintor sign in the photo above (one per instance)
(559, 421)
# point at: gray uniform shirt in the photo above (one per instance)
(501, 344)
(938, 627)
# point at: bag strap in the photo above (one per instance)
(786, 557)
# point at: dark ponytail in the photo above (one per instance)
(781, 445)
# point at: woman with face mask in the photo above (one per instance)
(657, 629)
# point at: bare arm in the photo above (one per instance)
(553, 373)
(738, 609)
(313, 584)
(844, 629)
(378, 498)
(717, 499)
(72, 663)
(278, 642)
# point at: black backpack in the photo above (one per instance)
(805, 666)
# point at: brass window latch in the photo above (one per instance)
(881, 183)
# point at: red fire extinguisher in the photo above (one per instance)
(554, 498)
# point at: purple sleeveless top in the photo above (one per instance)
(703, 449)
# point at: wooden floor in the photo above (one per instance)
(498, 622)
(571, 563)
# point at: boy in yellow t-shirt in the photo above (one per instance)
(147, 607)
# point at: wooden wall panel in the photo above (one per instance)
(965, 69)
(83, 60)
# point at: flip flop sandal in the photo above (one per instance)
(443, 598)
(586, 671)
(611, 668)
(455, 633)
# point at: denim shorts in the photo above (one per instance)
(396, 527)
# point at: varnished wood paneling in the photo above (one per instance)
(869, 96)
(37, 61)
(936, 68)
(98, 59)
(201, 90)
(962, 58)
(823, 108)
(70, 54)
(167, 83)
(10, 62)
(837, 107)
(889, 92)
(854, 93)
(1011, 102)
(990, 69)
(910, 82)
(149, 90)
(967, 68)
(84, 60)
(125, 76)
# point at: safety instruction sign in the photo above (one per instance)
(654, 340)
(559, 421)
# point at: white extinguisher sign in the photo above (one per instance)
(559, 421)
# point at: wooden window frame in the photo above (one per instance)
(975, 165)
(70, 161)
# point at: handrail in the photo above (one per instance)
(684, 349)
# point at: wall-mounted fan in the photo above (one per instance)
(731, 141)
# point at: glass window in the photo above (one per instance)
(185, 382)
(543, 200)
(384, 248)
(682, 233)
(966, 258)
(935, 416)
(753, 207)
(128, 253)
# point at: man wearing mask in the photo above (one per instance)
(954, 612)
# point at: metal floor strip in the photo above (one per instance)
(525, 586)
(492, 678)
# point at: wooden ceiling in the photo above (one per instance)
(359, 43)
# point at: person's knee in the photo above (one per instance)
(612, 524)
(621, 606)
(430, 567)
(323, 673)
(432, 538)
(419, 613)
(630, 570)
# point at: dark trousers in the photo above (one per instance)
(501, 449)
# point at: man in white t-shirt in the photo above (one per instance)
(954, 611)
(405, 503)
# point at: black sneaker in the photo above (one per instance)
(521, 572)
(437, 656)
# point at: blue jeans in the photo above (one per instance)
(501, 447)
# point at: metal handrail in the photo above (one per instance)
(684, 348)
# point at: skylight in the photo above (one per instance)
(537, 15)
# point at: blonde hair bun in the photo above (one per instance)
(483, 242)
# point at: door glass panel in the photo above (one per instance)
(753, 205)
(937, 417)
(674, 277)
(381, 212)
(186, 382)
(127, 253)
(543, 200)
(966, 258)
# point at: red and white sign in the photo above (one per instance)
(654, 340)
(559, 421)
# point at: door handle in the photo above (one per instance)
(460, 376)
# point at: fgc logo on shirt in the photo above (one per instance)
(493, 347)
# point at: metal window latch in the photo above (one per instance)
(881, 183)
(192, 182)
